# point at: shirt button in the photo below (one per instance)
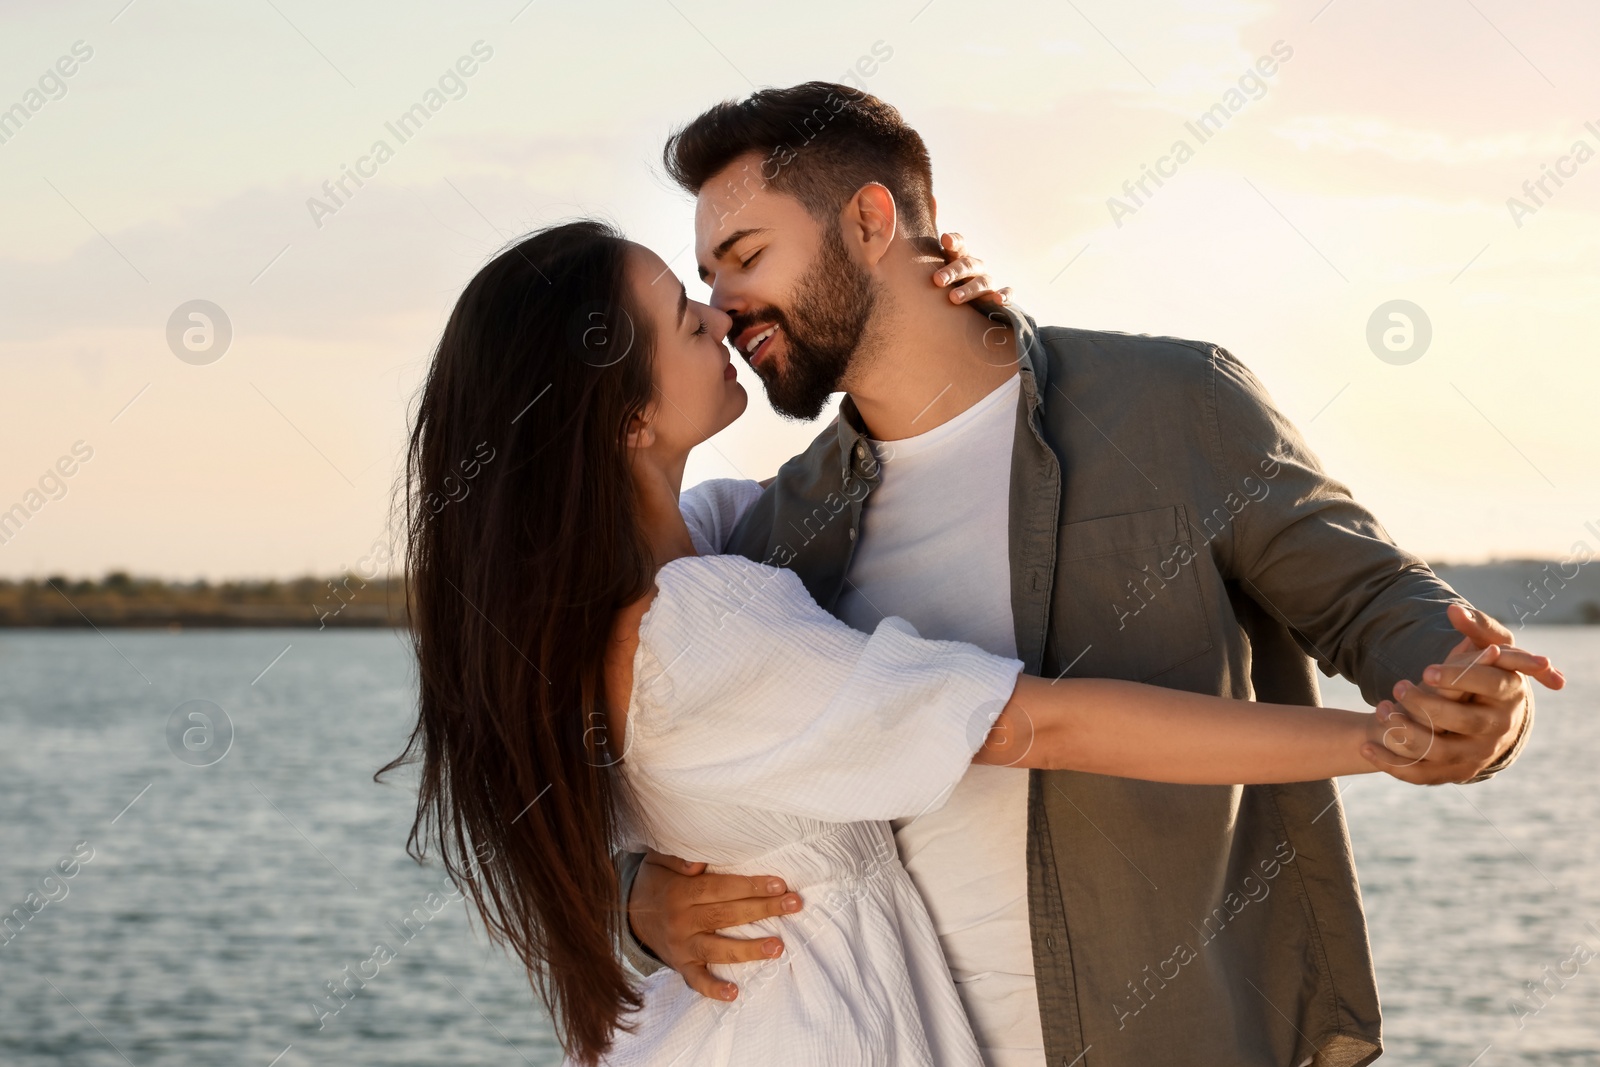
(852, 533)
(861, 450)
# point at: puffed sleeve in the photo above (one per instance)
(713, 507)
(748, 693)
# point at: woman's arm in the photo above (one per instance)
(1131, 730)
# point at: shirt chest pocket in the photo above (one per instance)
(1127, 596)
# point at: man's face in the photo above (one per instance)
(799, 302)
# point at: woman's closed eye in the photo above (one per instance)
(700, 329)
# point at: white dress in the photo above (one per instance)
(765, 736)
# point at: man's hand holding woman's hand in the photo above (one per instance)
(1467, 712)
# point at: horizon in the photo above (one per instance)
(396, 575)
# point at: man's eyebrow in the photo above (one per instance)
(732, 239)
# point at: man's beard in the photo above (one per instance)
(828, 316)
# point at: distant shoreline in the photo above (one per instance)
(1517, 592)
(120, 601)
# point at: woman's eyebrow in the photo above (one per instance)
(683, 301)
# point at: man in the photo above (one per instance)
(1094, 503)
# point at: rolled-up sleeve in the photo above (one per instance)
(1317, 560)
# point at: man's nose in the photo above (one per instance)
(726, 297)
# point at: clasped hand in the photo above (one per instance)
(1462, 717)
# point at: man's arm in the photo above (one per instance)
(1323, 565)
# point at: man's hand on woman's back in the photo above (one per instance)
(676, 909)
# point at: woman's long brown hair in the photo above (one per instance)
(522, 543)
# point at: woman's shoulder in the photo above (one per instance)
(713, 629)
(695, 595)
(694, 590)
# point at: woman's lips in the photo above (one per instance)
(728, 373)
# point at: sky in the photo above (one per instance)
(1359, 153)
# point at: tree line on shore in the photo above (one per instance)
(1517, 592)
(123, 600)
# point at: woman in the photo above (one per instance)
(593, 674)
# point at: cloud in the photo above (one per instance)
(391, 248)
(1356, 134)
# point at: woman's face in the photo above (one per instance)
(696, 390)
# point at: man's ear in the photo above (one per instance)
(870, 221)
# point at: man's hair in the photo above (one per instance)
(819, 143)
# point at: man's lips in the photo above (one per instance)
(754, 341)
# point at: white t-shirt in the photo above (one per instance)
(934, 549)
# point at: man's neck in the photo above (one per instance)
(927, 360)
